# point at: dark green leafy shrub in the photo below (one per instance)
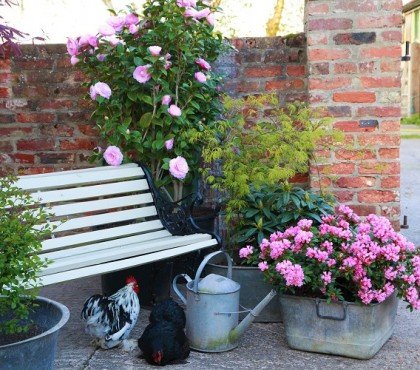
(23, 226)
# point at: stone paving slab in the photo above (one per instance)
(262, 347)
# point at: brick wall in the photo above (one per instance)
(354, 56)
(44, 120)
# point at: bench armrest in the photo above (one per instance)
(177, 217)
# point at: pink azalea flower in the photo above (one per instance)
(169, 144)
(100, 88)
(178, 167)
(113, 156)
(246, 252)
(166, 99)
(263, 266)
(106, 30)
(116, 22)
(203, 64)
(200, 77)
(174, 111)
(72, 46)
(131, 19)
(154, 50)
(141, 73)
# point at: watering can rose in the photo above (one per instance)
(178, 167)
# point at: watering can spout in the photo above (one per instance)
(237, 332)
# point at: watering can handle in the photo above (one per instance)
(175, 287)
(204, 263)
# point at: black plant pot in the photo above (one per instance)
(37, 352)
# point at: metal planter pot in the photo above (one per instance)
(37, 352)
(253, 291)
(345, 329)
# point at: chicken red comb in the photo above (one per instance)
(131, 279)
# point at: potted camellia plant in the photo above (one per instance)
(340, 281)
(29, 324)
(261, 149)
(154, 89)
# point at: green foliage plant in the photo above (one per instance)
(172, 42)
(411, 120)
(272, 208)
(262, 144)
(23, 226)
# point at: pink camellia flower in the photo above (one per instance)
(101, 57)
(114, 40)
(74, 60)
(106, 30)
(141, 73)
(168, 64)
(169, 144)
(178, 167)
(116, 22)
(174, 111)
(113, 156)
(246, 252)
(190, 13)
(263, 266)
(203, 64)
(200, 77)
(100, 88)
(186, 3)
(133, 29)
(202, 13)
(131, 19)
(72, 46)
(88, 40)
(210, 19)
(166, 99)
(154, 50)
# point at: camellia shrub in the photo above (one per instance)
(150, 76)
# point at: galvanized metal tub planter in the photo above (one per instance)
(254, 289)
(37, 352)
(345, 329)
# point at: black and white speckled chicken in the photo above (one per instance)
(110, 319)
(164, 341)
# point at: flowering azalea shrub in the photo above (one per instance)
(344, 258)
(150, 77)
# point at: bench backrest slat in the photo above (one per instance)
(93, 191)
(100, 235)
(66, 180)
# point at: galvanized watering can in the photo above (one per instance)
(213, 315)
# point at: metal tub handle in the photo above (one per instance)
(344, 306)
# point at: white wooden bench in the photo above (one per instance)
(109, 219)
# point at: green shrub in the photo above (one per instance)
(19, 262)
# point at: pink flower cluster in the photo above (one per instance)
(192, 12)
(367, 257)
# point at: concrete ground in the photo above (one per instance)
(262, 347)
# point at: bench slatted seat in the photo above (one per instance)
(108, 219)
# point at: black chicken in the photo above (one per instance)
(164, 341)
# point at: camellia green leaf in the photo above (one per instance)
(145, 120)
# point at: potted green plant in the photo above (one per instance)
(154, 90)
(29, 324)
(261, 147)
(340, 281)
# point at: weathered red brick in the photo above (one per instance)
(390, 126)
(354, 154)
(359, 6)
(379, 21)
(55, 104)
(263, 71)
(35, 144)
(352, 126)
(88, 130)
(319, 68)
(355, 182)
(380, 81)
(23, 64)
(335, 169)
(23, 158)
(380, 139)
(53, 158)
(379, 168)
(329, 24)
(329, 83)
(246, 87)
(15, 131)
(6, 146)
(376, 196)
(344, 196)
(392, 5)
(295, 70)
(355, 97)
(5, 77)
(77, 144)
(35, 117)
(4, 92)
(367, 67)
(5, 64)
(315, 55)
(379, 111)
(35, 170)
(390, 182)
(363, 209)
(57, 130)
(355, 38)
(390, 66)
(389, 153)
(381, 52)
(317, 8)
(345, 68)
(392, 35)
(284, 84)
(317, 39)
